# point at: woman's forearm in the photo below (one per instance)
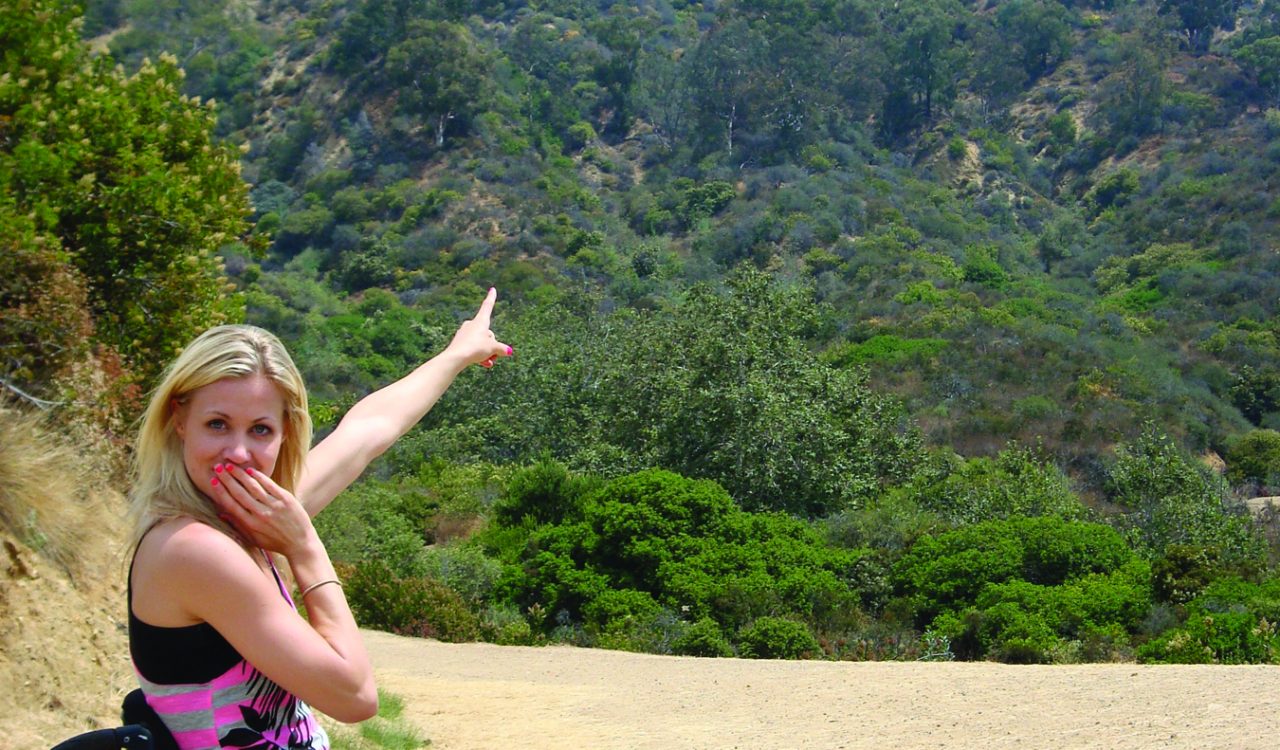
(348, 681)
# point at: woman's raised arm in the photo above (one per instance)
(382, 417)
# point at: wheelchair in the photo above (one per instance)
(142, 730)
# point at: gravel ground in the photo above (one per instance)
(473, 696)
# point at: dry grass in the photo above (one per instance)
(47, 497)
(64, 660)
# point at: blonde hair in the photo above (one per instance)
(161, 487)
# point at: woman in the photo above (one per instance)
(223, 478)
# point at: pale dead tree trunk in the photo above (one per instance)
(441, 121)
(729, 118)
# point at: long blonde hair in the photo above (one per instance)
(161, 488)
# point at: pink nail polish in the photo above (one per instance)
(247, 470)
(218, 468)
(511, 352)
(214, 482)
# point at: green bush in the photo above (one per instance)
(371, 521)
(1016, 483)
(1255, 456)
(1027, 560)
(1231, 622)
(1175, 500)
(654, 541)
(421, 607)
(615, 609)
(544, 493)
(777, 638)
(464, 568)
(702, 638)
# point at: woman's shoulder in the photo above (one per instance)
(177, 563)
(182, 542)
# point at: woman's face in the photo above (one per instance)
(233, 420)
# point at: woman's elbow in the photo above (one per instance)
(362, 706)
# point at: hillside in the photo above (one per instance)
(1055, 248)
(843, 330)
(64, 661)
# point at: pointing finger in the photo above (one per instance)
(485, 313)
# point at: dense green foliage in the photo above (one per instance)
(793, 288)
(114, 201)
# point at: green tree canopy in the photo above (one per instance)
(121, 173)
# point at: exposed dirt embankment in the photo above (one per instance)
(64, 660)
(471, 696)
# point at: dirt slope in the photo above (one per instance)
(472, 696)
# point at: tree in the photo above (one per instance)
(1198, 19)
(1132, 96)
(1039, 30)
(1262, 59)
(724, 387)
(121, 173)
(926, 57)
(728, 95)
(441, 73)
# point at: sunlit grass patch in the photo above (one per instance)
(389, 730)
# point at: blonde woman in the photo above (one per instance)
(225, 475)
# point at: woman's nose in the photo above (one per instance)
(236, 453)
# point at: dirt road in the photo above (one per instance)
(473, 696)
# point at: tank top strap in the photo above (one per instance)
(284, 590)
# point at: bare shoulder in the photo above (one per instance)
(185, 543)
(178, 563)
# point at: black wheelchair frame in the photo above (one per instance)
(142, 730)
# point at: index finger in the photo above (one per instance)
(485, 313)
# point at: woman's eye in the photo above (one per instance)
(217, 424)
(261, 430)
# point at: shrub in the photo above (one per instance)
(777, 638)
(1255, 456)
(369, 522)
(1231, 622)
(614, 609)
(464, 568)
(421, 607)
(544, 493)
(655, 541)
(1016, 483)
(1174, 500)
(950, 571)
(702, 638)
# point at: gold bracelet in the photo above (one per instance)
(317, 585)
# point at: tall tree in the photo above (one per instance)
(927, 57)
(1038, 30)
(440, 72)
(1262, 59)
(121, 173)
(1196, 20)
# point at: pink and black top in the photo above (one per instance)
(209, 696)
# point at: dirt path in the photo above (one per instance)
(472, 696)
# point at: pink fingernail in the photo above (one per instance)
(510, 352)
(247, 470)
(218, 468)
(214, 481)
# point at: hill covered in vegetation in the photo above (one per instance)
(1029, 220)
(921, 276)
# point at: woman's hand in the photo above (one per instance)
(474, 343)
(270, 516)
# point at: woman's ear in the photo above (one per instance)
(175, 416)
